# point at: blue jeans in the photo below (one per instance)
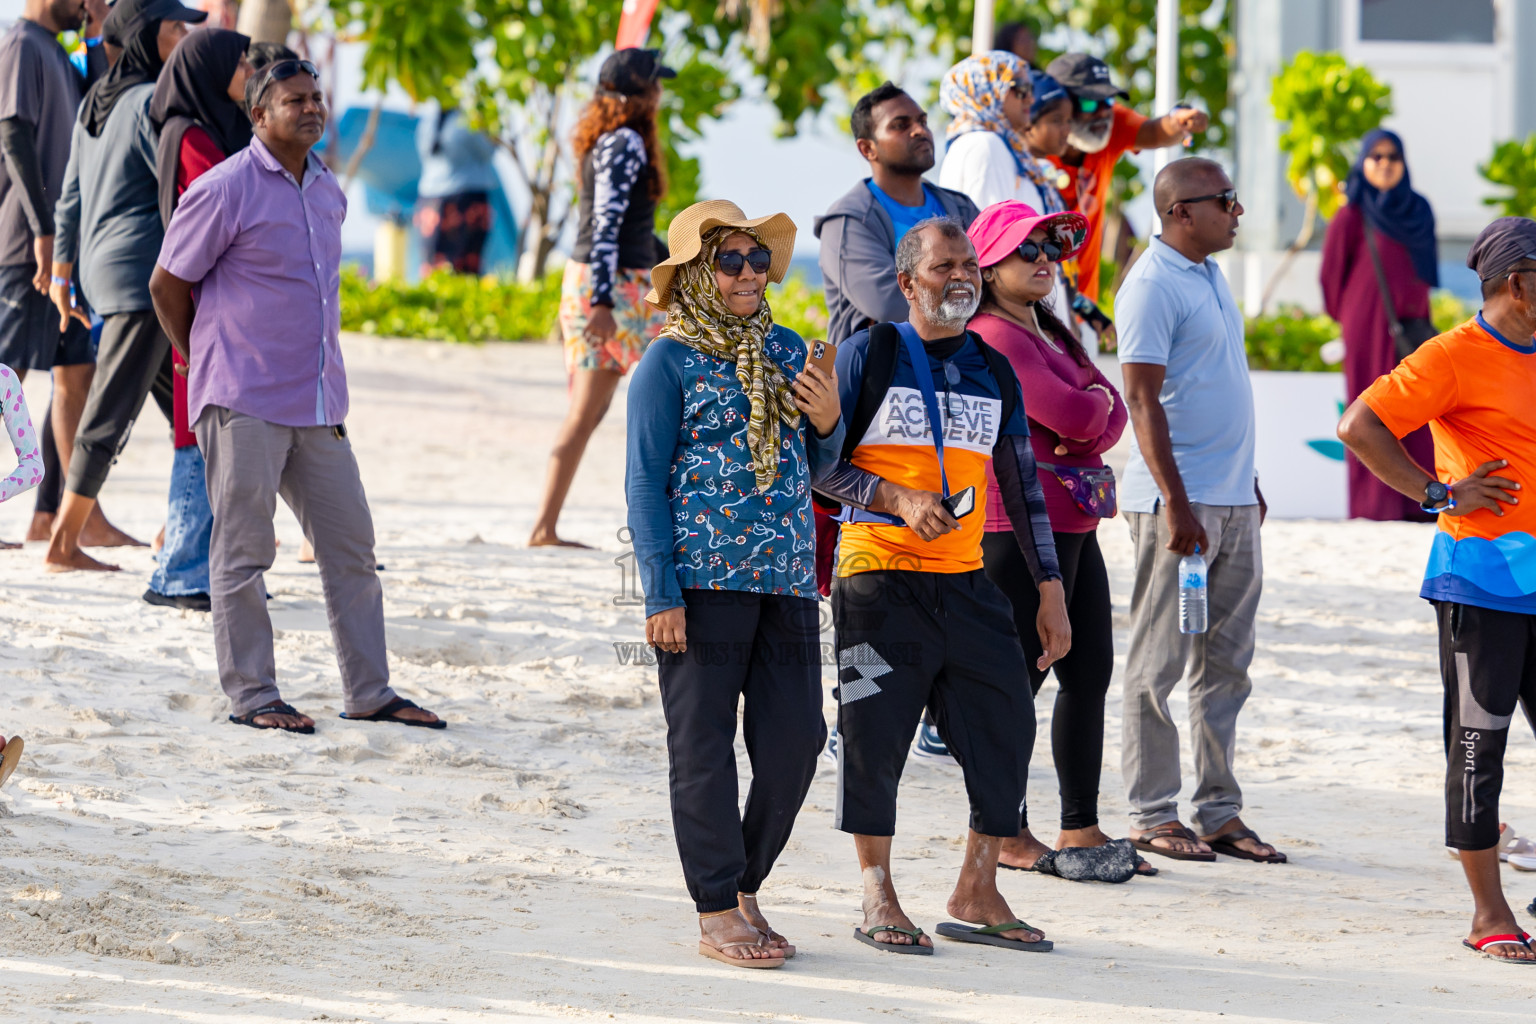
(183, 567)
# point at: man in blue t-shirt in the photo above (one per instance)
(859, 232)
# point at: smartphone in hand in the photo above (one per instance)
(962, 504)
(822, 355)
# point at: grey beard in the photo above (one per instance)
(1086, 143)
(951, 313)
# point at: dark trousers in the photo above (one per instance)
(762, 649)
(1082, 677)
(907, 641)
(1488, 665)
(134, 359)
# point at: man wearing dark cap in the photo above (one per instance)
(1475, 385)
(1102, 132)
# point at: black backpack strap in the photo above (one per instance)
(1002, 372)
(879, 371)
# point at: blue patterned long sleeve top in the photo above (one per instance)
(696, 516)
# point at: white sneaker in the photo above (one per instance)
(930, 745)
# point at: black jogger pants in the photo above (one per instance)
(133, 360)
(762, 649)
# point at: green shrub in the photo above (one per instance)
(1446, 310)
(1289, 339)
(451, 307)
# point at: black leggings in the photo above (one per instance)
(133, 362)
(1077, 724)
(763, 650)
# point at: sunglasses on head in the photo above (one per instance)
(732, 262)
(1087, 106)
(1031, 251)
(281, 71)
(1228, 200)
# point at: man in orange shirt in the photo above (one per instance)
(1475, 386)
(1102, 132)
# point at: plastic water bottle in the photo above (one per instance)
(1192, 593)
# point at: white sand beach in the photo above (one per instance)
(159, 864)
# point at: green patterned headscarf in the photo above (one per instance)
(698, 317)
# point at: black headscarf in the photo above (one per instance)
(133, 24)
(1399, 213)
(194, 90)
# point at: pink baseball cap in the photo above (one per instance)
(1002, 227)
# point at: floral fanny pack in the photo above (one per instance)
(1092, 489)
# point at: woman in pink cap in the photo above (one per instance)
(1075, 415)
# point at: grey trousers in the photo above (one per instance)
(1217, 661)
(251, 462)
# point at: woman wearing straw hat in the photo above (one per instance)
(722, 447)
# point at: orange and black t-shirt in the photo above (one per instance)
(1477, 391)
(1087, 188)
(898, 446)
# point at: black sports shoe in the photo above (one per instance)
(187, 602)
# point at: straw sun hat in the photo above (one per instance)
(685, 237)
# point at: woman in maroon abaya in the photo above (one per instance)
(1382, 207)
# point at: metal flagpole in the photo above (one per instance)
(982, 28)
(1167, 90)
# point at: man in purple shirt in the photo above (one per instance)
(259, 237)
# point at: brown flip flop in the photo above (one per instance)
(718, 953)
(10, 756)
(1171, 830)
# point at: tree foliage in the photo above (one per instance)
(1326, 105)
(1512, 167)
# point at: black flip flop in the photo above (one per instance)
(275, 708)
(387, 714)
(1227, 844)
(1171, 830)
(989, 936)
(909, 948)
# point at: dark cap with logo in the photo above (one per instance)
(1085, 76)
(1502, 245)
(128, 15)
(630, 72)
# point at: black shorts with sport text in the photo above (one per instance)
(1488, 665)
(907, 641)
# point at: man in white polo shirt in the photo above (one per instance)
(1189, 484)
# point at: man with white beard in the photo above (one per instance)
(919, 624)
(1103, 131)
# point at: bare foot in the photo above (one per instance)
(1173, 843)
(158, 544)
(1022, 851)
(8, 545)
(60, 561)
(549, 540)
(1500, 924)
(719, 931)
(988, 908)
(306, 552)
(41, 528)
(98, 533)
(747, 904)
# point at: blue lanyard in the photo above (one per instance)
(919, 357)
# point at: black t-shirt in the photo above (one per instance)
(38, 85)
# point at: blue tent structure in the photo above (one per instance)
(391, 170)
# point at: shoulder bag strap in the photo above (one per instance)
(920, 370)
(1394, 325)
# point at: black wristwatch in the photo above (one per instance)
(1438, 497)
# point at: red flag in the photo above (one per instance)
(635, 23)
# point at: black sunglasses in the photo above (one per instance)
(281, 71)
(1228, 200)
(952, 380)
(1031, 251)
(731, 262)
